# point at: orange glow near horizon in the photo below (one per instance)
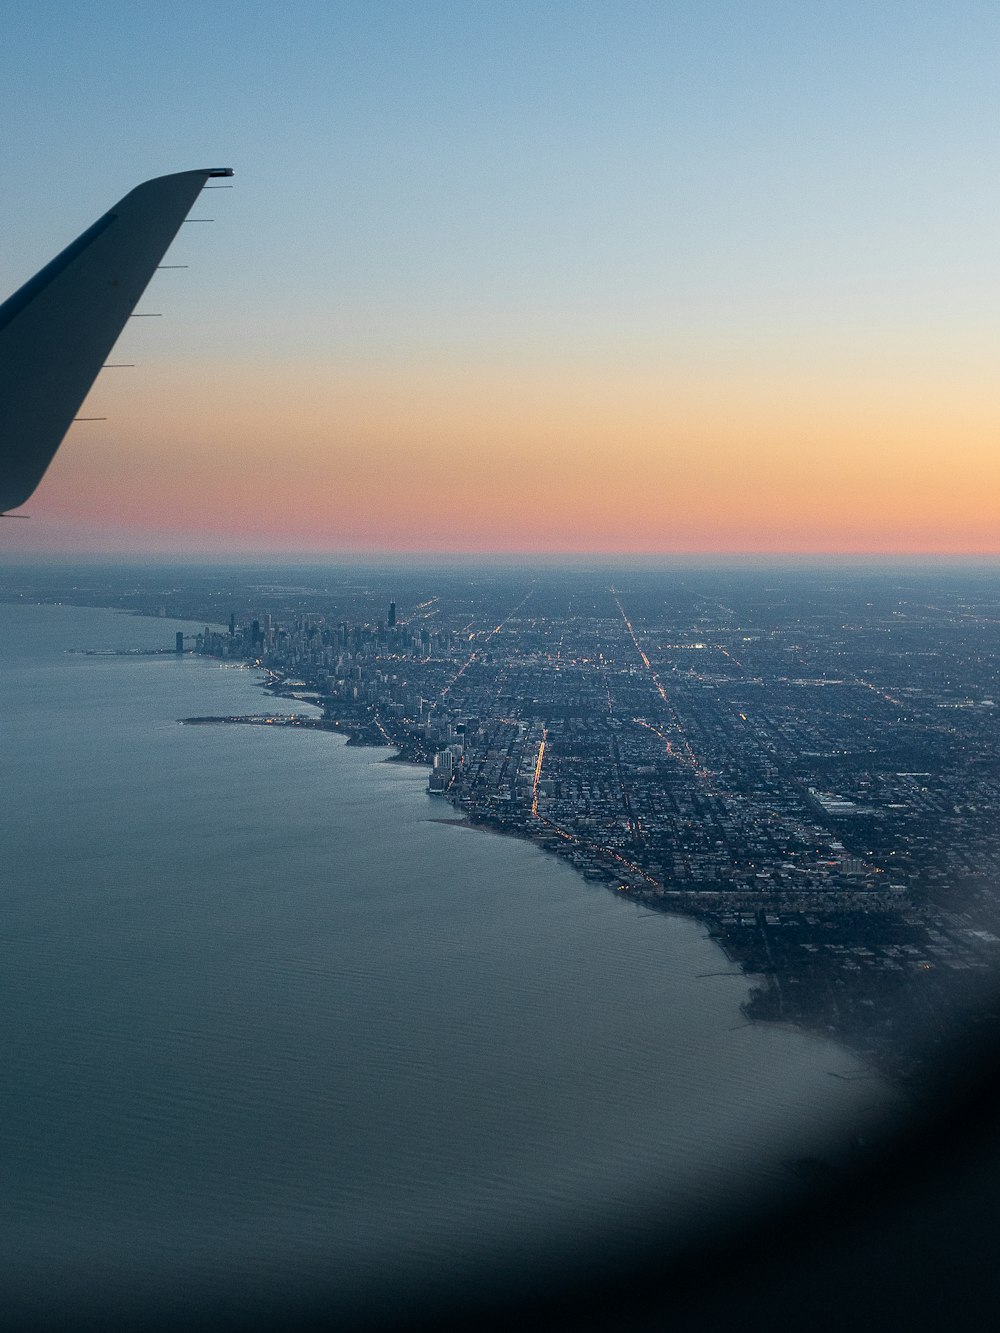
(642, 279)
(548, 459)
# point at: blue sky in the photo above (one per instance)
(754, 190)
(426, 160)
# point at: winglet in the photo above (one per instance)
(57, 330)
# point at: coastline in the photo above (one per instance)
(760, 985)
(763, 1005)
(743, 945)
(297, 910)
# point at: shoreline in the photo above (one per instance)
(901, 1063)
(754, 980)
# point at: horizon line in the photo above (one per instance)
(22, 558)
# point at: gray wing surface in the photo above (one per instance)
(57, 330)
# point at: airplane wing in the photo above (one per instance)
(57, 330)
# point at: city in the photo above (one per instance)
(804, 760)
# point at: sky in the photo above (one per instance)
(540, 276)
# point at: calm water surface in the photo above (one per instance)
(260, 1008)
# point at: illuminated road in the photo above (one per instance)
(538, 773)
(605, 852)
(688, 755)
(378, 722)
(475, 653)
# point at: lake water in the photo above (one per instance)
(265, 1017)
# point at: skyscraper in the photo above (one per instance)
(392, 614)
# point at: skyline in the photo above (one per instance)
(603, 280)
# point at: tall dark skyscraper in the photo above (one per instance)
(179, 642)
(232, 623)
(392, 614)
